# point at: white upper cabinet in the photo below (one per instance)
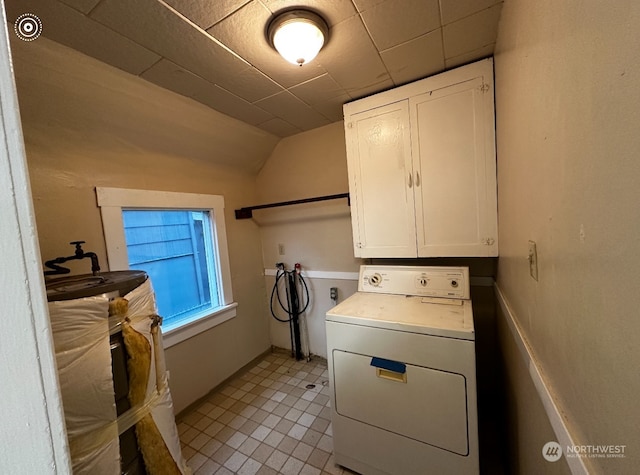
(422, 167)
(380, 157)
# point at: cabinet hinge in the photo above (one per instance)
(487, 241)
(484, 88)
(350, 125)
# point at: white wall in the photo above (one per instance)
(87, 124)
(317, 235)
(568, 109)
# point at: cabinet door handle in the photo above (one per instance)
(417, 179)
(410, 180)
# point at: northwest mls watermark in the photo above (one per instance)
(27, 27)
(552, 451)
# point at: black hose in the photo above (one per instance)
(292, 308)
(284, 307)
(275, 291)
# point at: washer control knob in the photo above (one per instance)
(375, 279)
(422, 281)
(454, 283)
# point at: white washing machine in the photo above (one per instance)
(401, 356)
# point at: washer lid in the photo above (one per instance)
(451, 318)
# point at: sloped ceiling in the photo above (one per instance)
(216, 51)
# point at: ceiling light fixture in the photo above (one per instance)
(298, 35)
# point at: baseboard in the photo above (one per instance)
(543, 388)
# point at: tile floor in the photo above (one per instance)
(273, 419)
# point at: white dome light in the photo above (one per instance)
(298, 35)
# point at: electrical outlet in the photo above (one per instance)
(281, 249)
(333, 293)
(533, 260)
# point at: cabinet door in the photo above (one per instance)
(380, 182)
(453, 147)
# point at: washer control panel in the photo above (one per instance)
(450, 282)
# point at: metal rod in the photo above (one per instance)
(246, 213)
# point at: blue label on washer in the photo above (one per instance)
(389, 365)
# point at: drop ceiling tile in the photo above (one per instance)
(362, 5)
(250, 84)
(470, 57)
(370, 89)
(244, 33)
(279, 127)
(67, 26)
(352, 59)
(291, 109)
(472, 32)
(318, 90)
(206, 13)
(175, 78)
(333, 11)
(153, 25)
(332, 108)
(324, 95)
(84, 6)
(415, 59)
(453, 10)
(397, 21)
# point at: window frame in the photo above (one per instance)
(113, 200)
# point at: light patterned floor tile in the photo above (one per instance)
(207, 468)
(325, 443)
(222, 454)
(274, 438)
(273, 419)
(197, 461)
(284, 426)
(292, 466)
(236, 440)
(199, 441)
(297, 432)
(309, 470)
(262, 453)
(302, 451)
(261, 433)
(276, 460)
(211, 447)
(250, 467)
(236, 461)
(318, 458)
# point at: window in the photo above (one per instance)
(175, 248)
(179, 239)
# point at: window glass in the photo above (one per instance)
(175, 248)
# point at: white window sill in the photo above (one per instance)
(173, 336)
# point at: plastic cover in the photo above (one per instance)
(81, 330)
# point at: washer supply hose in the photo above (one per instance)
(292, 307)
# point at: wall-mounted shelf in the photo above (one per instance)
(246, 213)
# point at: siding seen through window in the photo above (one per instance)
(175, 248)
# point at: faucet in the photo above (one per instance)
(79, 254)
